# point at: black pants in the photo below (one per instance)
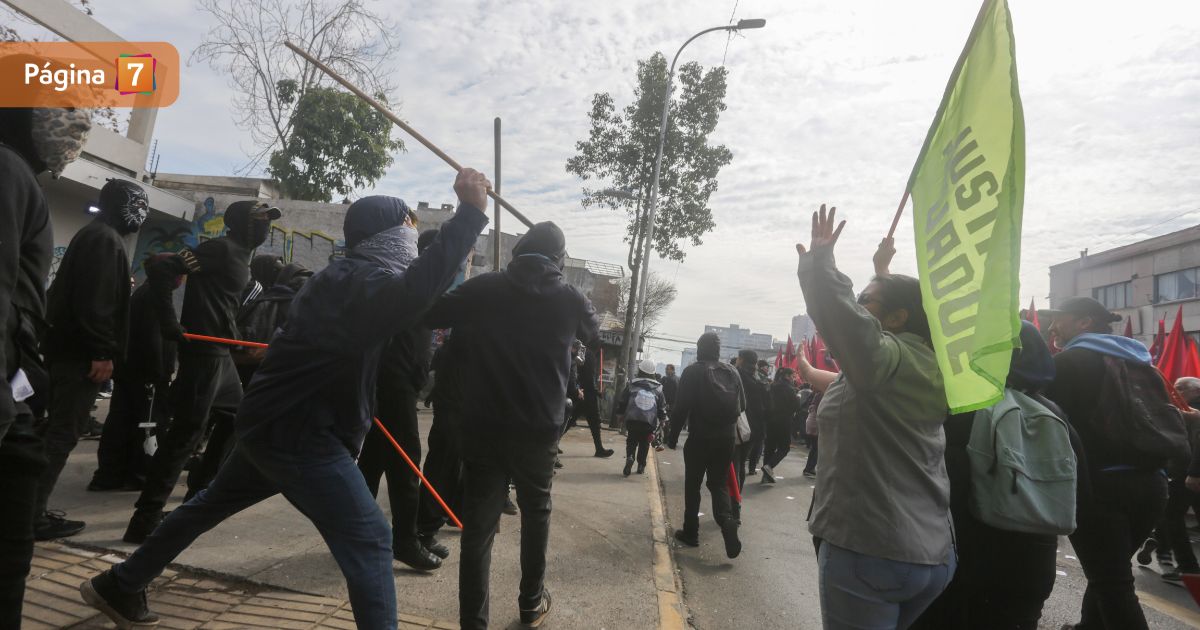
(706, 459)
(1172, 533)
(811, 465)
(637, 441)
(398, 412)
(758, 440)
(1002, 581)
(207, 387)
(590, 409)
(741, 459)
(487, 464)
(21, 464)
(779, 442)
(443, 469)
(1112, 525)
(121, 455)
(72, 395)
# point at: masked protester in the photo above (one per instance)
(140, 386)
(32, 141)
(88, 313)
(207, 384)
(307, 411)
(403, 370)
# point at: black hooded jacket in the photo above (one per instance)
(25, 252)
(315, 390)
(150, 357)
(88, 302)
(217, 270)
(515, 330)
(691, 409)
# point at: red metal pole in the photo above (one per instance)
(255, 344)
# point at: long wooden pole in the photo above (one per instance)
(386, 433)
(403, 125)
(899, 212)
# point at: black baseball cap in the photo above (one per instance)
(1087, 307)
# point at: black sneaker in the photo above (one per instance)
(434, 547)
(125, 610)
(415, 555)
(557, 463)
(641, 470)
(1147, 552)
(684, 538)
(753, 473)
(628, 466)
(534, 618)
(510, 508)
(141, 525)
(93, 430)
(733, 545)
(768, 474)
(604, 453)
(52, 525)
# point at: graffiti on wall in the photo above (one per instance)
(312, 249)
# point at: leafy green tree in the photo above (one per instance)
(337, 144)
(619, 153)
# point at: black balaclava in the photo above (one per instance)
(123, 205)
(265, 268)
(249, 222)
(293, 276)
(708, 347)
(544, 239)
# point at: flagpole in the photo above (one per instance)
(899, 213)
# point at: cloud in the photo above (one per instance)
(829, 103)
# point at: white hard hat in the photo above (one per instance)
(647, 366)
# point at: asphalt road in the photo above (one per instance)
(773, 583)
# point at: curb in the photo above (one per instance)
(672, 612)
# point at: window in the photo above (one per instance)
(1115, 296)
(1177, 285)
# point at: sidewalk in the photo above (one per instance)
(183, 599)
(601, 563)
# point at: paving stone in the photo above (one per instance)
(165, 610)
(47, 615)
(187, 601)
(264, 622)
(339, 624)
(420, 621)
(323, 609)
(279, 613)
(299, 597)
(73, 606)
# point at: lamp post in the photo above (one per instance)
(653, 204)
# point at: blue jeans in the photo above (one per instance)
(869, 593)
(327, 488)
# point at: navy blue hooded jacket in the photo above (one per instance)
(513, 332)
(315, 390)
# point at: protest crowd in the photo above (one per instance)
(275, 380)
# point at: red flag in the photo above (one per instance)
(820, 356)
(779, 358)
(1032, 315)
(1160, 338)
(1129, 327)
(1179, 357)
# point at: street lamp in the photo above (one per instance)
(653, 205)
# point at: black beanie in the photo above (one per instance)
(708, 347)
(545, 238)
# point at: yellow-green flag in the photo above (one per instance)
(967, 189)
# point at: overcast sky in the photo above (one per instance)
(829, 103)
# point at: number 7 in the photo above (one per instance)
(137, 70)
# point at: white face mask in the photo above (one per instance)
(394, 248)
(59, 135)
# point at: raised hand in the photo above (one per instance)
(472, 187)
(823, 232)
(883, 256)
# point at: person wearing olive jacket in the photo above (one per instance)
(881, 512)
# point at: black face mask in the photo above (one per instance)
(252, 235)
(124, 205)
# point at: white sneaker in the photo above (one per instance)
(768, 474)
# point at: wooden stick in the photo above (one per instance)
(400, 123)
(899, 211)
(416, 469)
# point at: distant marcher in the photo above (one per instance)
(140, 386)
(785, 404)
(88, 313)
(812, 432)
(443, 464)
(640, 409)
(757, 406)
(518, 326)
(881, 509)
(1097, 373)
(589, 374)
(708, 403)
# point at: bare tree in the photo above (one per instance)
(269, 80)
(659, 298)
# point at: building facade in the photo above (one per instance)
(803, 328)
(1145, 282)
